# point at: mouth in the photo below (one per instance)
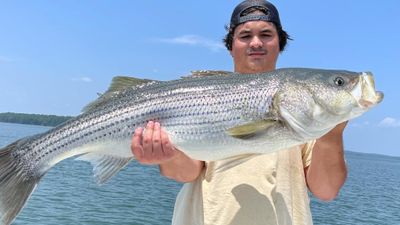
(257, 53)
(365, 92)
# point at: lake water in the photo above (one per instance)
(138, 195)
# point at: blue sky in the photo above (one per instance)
(55, 56)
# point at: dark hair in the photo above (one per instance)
(283, 35)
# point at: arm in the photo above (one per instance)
(327, 171)
(154, 148)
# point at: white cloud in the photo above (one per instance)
(390, 122)
(194, 40)
(83, 79)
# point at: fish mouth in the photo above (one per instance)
(365, 93)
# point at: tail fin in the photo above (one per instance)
(15, 189)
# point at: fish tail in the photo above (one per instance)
(15, 188)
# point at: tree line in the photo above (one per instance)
(34, 119)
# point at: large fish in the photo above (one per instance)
(208, 118)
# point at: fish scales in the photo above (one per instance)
(187, 101)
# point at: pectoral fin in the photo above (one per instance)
(250, 129)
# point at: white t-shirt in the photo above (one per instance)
(267, 189)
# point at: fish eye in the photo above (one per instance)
(339, 81)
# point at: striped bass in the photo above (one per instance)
(208, 118)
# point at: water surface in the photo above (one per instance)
(138, 195)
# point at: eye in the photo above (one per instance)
(245, 37)
(266, 35)
(339, 81)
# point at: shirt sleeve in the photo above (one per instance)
(306, 153)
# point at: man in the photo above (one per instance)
(250, 189)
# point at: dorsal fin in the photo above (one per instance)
(118, 84)
(206, 73)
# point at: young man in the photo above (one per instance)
(250, 189)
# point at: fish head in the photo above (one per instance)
(344, 95)
(318, 100)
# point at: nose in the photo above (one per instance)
(256, 42)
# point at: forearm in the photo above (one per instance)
(327, 171)
(182, 168)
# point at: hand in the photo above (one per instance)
(152, 147)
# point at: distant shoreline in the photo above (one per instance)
(33, 119)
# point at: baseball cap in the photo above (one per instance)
(270, 13)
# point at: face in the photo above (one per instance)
(255, 47)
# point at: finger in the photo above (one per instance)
(157, 147)
(148, 141)
(136, 146)
(168, 149)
